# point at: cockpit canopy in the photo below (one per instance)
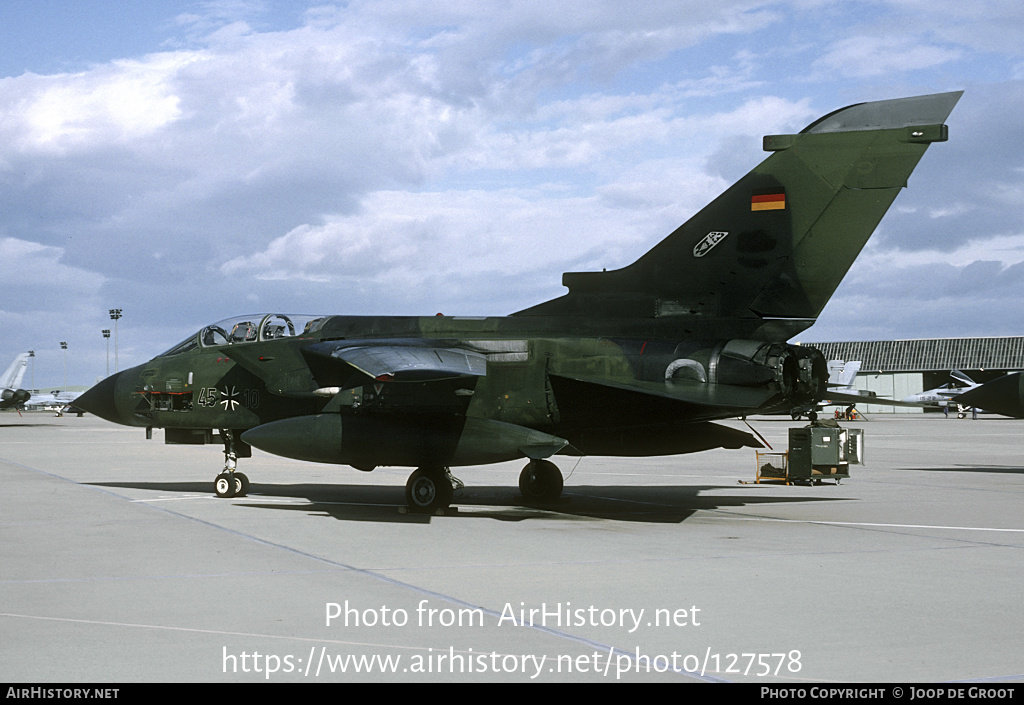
(249, 329)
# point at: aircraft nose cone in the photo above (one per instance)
(101, 399)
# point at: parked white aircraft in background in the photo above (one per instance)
(10, 393)
(56, 400)
(840, 381)
(942, 396)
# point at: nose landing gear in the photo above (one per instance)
(230, 483)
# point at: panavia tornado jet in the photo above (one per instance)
(631, 362)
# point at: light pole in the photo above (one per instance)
(115, 313)
(32, 354)
(106, 335)
(64, 347)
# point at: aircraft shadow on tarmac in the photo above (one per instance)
(654, 504)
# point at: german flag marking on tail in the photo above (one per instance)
(774, 201)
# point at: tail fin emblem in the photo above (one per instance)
(707, 243)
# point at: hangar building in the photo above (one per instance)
(898, 368)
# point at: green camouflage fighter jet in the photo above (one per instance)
(632, 362)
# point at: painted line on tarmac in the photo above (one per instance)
(217, 632)
(865, 523)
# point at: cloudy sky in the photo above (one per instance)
(189, 161)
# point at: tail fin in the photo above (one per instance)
(15, 373)
(777, 243)
(846, 374)
(835, 371)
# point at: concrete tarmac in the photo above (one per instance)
(118, 564)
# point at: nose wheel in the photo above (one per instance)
(230, 483)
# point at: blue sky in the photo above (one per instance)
(190, 161)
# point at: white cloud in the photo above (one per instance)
(433, 236)
(986, 26)
(124, 102)
(1005, 250)
(865, 56)
(31, 265)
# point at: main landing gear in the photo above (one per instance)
(430, 489)
(230, 483)
(541, 480)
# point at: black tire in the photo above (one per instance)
(428, 490)
(224, 486)
(241, 484)
(541, 480)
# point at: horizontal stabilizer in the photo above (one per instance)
(837, 398)
(662, 439)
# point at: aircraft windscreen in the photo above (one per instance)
(248, 329)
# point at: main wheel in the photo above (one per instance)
(241, 484)
(428, 490)
(225, 485)
(542, 480)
